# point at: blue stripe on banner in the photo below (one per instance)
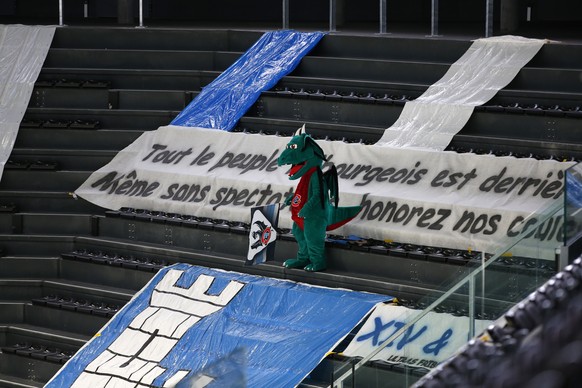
(226, 99)
(189, 318)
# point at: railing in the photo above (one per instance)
(493, 281)
(383, 27)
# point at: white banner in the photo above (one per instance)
(431, 121)
(428, 342)
(23, 50)
(444, 199)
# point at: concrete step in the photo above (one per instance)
(75, 139)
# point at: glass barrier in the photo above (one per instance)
(573, 204)
(399, 345)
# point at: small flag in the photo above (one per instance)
(262, 234)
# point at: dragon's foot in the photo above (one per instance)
(315, 267)
(295, 263)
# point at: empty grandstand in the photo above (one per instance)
(129, 177)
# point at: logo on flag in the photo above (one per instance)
(263, 234)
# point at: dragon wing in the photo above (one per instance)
(336, 216)
(331, 185)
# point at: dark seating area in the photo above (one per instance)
(68, 265)
(536, 343)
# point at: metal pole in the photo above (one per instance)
(61, 13)
(483, 289)
(332, 15)
(141, 13)
(434, 18)
(383, 17)
(489, 18)
(472, 307)
(285, 14)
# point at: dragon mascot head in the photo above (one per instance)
(302, 153)
(314, 207)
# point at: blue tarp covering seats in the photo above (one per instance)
(189, 319)
(226, 99)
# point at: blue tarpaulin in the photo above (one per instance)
(190, 319)
(226, 99)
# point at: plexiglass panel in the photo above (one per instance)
(397, 345)
(573, 204)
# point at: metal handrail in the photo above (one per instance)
(489, 18)
(285, 14)
(383, 18)
(383, 28)
(332, 15)
(61, 13)
(434, 18)
(141, 14)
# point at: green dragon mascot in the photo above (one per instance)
(314, 205)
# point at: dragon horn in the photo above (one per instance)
(300, 131)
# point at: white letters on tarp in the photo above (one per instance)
(431, 121)
(445, 199)
(426, 343)
(189, 324)
(23, 50)
(134, 358)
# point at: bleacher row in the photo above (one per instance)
(337, 107)
(67, 265)
(400, 100)
(43, 87)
